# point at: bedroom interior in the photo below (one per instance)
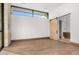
(39, 29)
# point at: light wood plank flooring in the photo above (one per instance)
(41, 47)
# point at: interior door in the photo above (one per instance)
(54, 29)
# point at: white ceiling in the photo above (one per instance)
(39, 6)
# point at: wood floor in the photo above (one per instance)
(42, 47)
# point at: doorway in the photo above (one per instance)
(60, 28)
(64, 27)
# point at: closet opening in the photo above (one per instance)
(60, 28)
(64, 27)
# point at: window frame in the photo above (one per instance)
(12, 6)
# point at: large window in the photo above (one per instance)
(19, 11)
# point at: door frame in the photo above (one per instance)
(60, 29)
(2, 25)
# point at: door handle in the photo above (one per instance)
(56, 31)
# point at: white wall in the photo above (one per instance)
(72, 8)
(62, 10)
(75, 24)
(24, 27)
(46, 7)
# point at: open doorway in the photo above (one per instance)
(60, 28)
(64, 27)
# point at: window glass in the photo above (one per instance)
(42, 14)
(28, 12)
(20, 13)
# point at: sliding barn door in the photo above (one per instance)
(53, 29)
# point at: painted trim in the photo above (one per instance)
(73, 43)
(32, 38)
